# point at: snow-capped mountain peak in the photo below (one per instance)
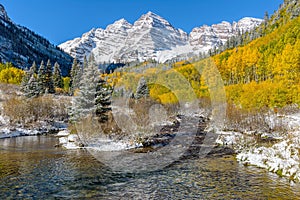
(151, 19)
(247, 24)
(218, 34)
(152, 37)
(121, 24)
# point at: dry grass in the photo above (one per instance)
(8, 91)
(130, 120)
(29, 111)
(257, 120)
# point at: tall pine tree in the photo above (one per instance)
(75, 76)
(41, 78)
(45, 81)
(27, 76)
(103, 100)
(32, 89)
(142, 90)
(57, 79)
(83, 103)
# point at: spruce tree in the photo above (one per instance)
(85, 62)
(75, 76)
(103, 100)
(41, 78)
(73, 71)
(266, 19)
(45, 81)
(83, 103)
(142, 90)
(32, 89)
(57, 79)
(27, 77)
(49, 85)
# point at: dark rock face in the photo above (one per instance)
(22, 46)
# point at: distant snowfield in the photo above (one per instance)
(186, 52)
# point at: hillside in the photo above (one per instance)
(260, 73)
(266, 71)
(22, 46)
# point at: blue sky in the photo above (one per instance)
(61, 20)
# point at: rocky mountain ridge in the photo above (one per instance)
(152, 37)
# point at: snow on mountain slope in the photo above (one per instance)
(152, 37)
(218, 34)
(22, 46)
(150, 34)
(246, 24)
(103, 43)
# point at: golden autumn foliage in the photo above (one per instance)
(276, 54)
(263, 73)
(9, 74)
(266, 72)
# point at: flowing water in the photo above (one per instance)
(31, 168)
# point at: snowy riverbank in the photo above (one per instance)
(10, 131)
(72, 141)
(278, 153)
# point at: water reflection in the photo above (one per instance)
(30, 167)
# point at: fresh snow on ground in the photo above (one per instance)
(72, 141)
(110, 145)
(7, 133)
(281, 156)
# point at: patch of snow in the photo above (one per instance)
(281, 158)
(110, 145)
(73, 138)
(72, 141)
(71, 145)
(63, 140)
(63, 133)
(292, 121)
(227, 138)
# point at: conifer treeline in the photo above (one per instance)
(43, 80)
(92, 95)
